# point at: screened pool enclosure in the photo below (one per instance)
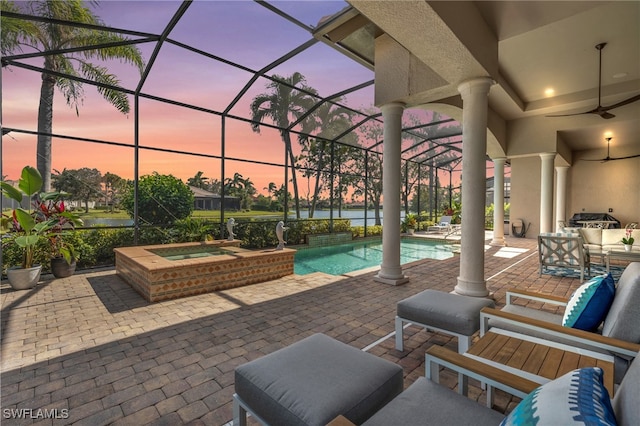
(241, 100)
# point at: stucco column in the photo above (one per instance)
(498, 201)
(474, 151)
(390, 269)
(561, 195)
(546, 191)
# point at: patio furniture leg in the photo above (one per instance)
(399, 335)
(463, 343)
(489, 395)
(239, 413)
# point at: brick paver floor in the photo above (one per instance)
(90, 349)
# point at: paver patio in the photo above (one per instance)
(91, 346)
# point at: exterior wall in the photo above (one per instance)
(592, 187)
(525, 193)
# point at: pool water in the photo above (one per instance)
(189, 252)
(344, 258)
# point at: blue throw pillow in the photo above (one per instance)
(590, 303)
(578, 397)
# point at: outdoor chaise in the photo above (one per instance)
(444, 226)
(568, 398)
(621, 325)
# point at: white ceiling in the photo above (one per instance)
(552, 45)
(540, 45)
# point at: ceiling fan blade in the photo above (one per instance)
(623, 103)
(604, 160)
(569, 115)
(624, 158)
(604, 114)
(600, 110)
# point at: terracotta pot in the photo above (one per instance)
(24, 278)
(61, 269)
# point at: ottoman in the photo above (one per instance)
(313, 381)
(448, 313)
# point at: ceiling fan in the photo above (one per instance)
(608, 158)
(600, 110)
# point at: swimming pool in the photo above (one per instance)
(344, 258)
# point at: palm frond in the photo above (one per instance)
(100, 74)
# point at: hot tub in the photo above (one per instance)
(170, 271)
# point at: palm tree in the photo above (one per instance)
(241, 188)
(47, 37)
(271, 189)
(198, 181)
(233, 186)
(287, 101)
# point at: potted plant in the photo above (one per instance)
(27, 226)
(52, 208)
(628, 240)
(410, 223)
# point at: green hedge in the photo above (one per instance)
(95, 246)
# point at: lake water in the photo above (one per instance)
(356, 216)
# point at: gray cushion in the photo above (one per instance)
(428, 403)
(316, 379)
(453, 312)
(625, 401)
(623, 320)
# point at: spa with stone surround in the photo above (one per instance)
(170, 271)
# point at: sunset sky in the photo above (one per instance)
(239, 31)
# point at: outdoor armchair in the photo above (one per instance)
(426, 402)
(429, 403)
(563, 250)
(619, 334)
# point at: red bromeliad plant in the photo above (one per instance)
(27, 225)
(52, 208)
(46, 216)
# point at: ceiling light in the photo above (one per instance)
(549, 92)
(608, 134)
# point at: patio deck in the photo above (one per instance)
(90, 345)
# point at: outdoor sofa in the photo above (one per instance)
(598, 240)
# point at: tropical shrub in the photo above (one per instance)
(162, 199)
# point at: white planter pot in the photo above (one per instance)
(628, 247)
(24, 278)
